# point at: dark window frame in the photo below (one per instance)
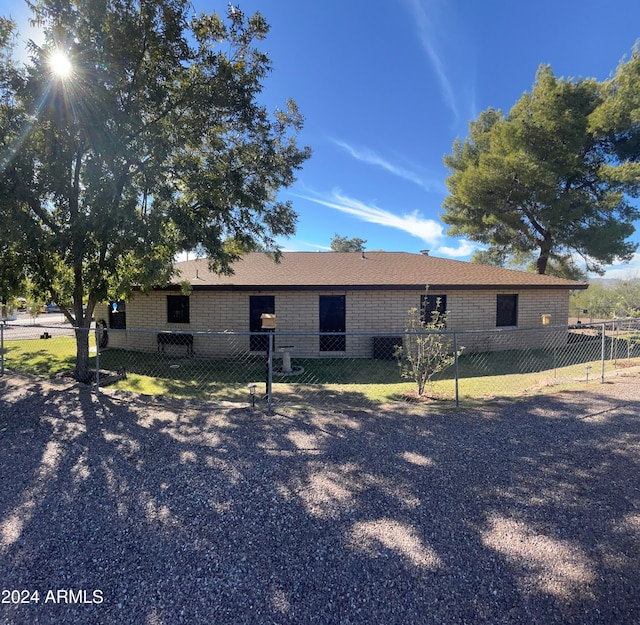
(258, 305)
(118, 319)
(506, 310)
(428, 304)
(178, 309)
(332, 314)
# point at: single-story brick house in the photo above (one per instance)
(325, 292)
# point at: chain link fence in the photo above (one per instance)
(333, 371)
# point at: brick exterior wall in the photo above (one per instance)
(366, 311)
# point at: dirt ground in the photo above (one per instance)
(119, 508)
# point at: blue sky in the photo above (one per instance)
(385, 87)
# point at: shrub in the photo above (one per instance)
(426, 349)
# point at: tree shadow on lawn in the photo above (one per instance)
(42, 362)
(185, 511)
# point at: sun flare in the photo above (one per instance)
(60, 64)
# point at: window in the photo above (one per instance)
(507, 310)
(177, 309)
(259, 304)
(118, 316)
(332, 319)
(430, 304)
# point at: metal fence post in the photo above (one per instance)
(270, 375)
(97, 359)
(2, 349)
(602, 351)
(455, 366)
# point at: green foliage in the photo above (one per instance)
(608, 299)
(12, 281)
(618, 118)
(155, 143)
(344, 244)
(555, 176)
(34, 307)
(426, 350)
(559, 266)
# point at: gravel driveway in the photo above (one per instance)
(121, 509)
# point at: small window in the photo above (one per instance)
(507, 310)
(177, 309)
(430, 304)
(118, 315)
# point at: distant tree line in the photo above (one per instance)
(608, 298)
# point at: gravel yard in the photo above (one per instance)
(125, 509)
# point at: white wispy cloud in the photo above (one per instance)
(429, 230)
(626, 271)
(303, 246)
(368, 156)
(427, 32)
(465, 248)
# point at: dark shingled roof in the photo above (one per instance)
(354, 270)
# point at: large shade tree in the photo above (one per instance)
(555, 177)
(135, 132)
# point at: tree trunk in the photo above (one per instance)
(82, 372)
(545, 250)
(541, 264)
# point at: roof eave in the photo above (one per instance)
(376, 287)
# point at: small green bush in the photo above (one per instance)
(426, 350)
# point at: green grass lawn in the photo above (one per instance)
(344, 381)
(355, 380)
(45, 357)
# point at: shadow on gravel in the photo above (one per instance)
(165, 512)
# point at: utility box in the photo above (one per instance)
(268, 321)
